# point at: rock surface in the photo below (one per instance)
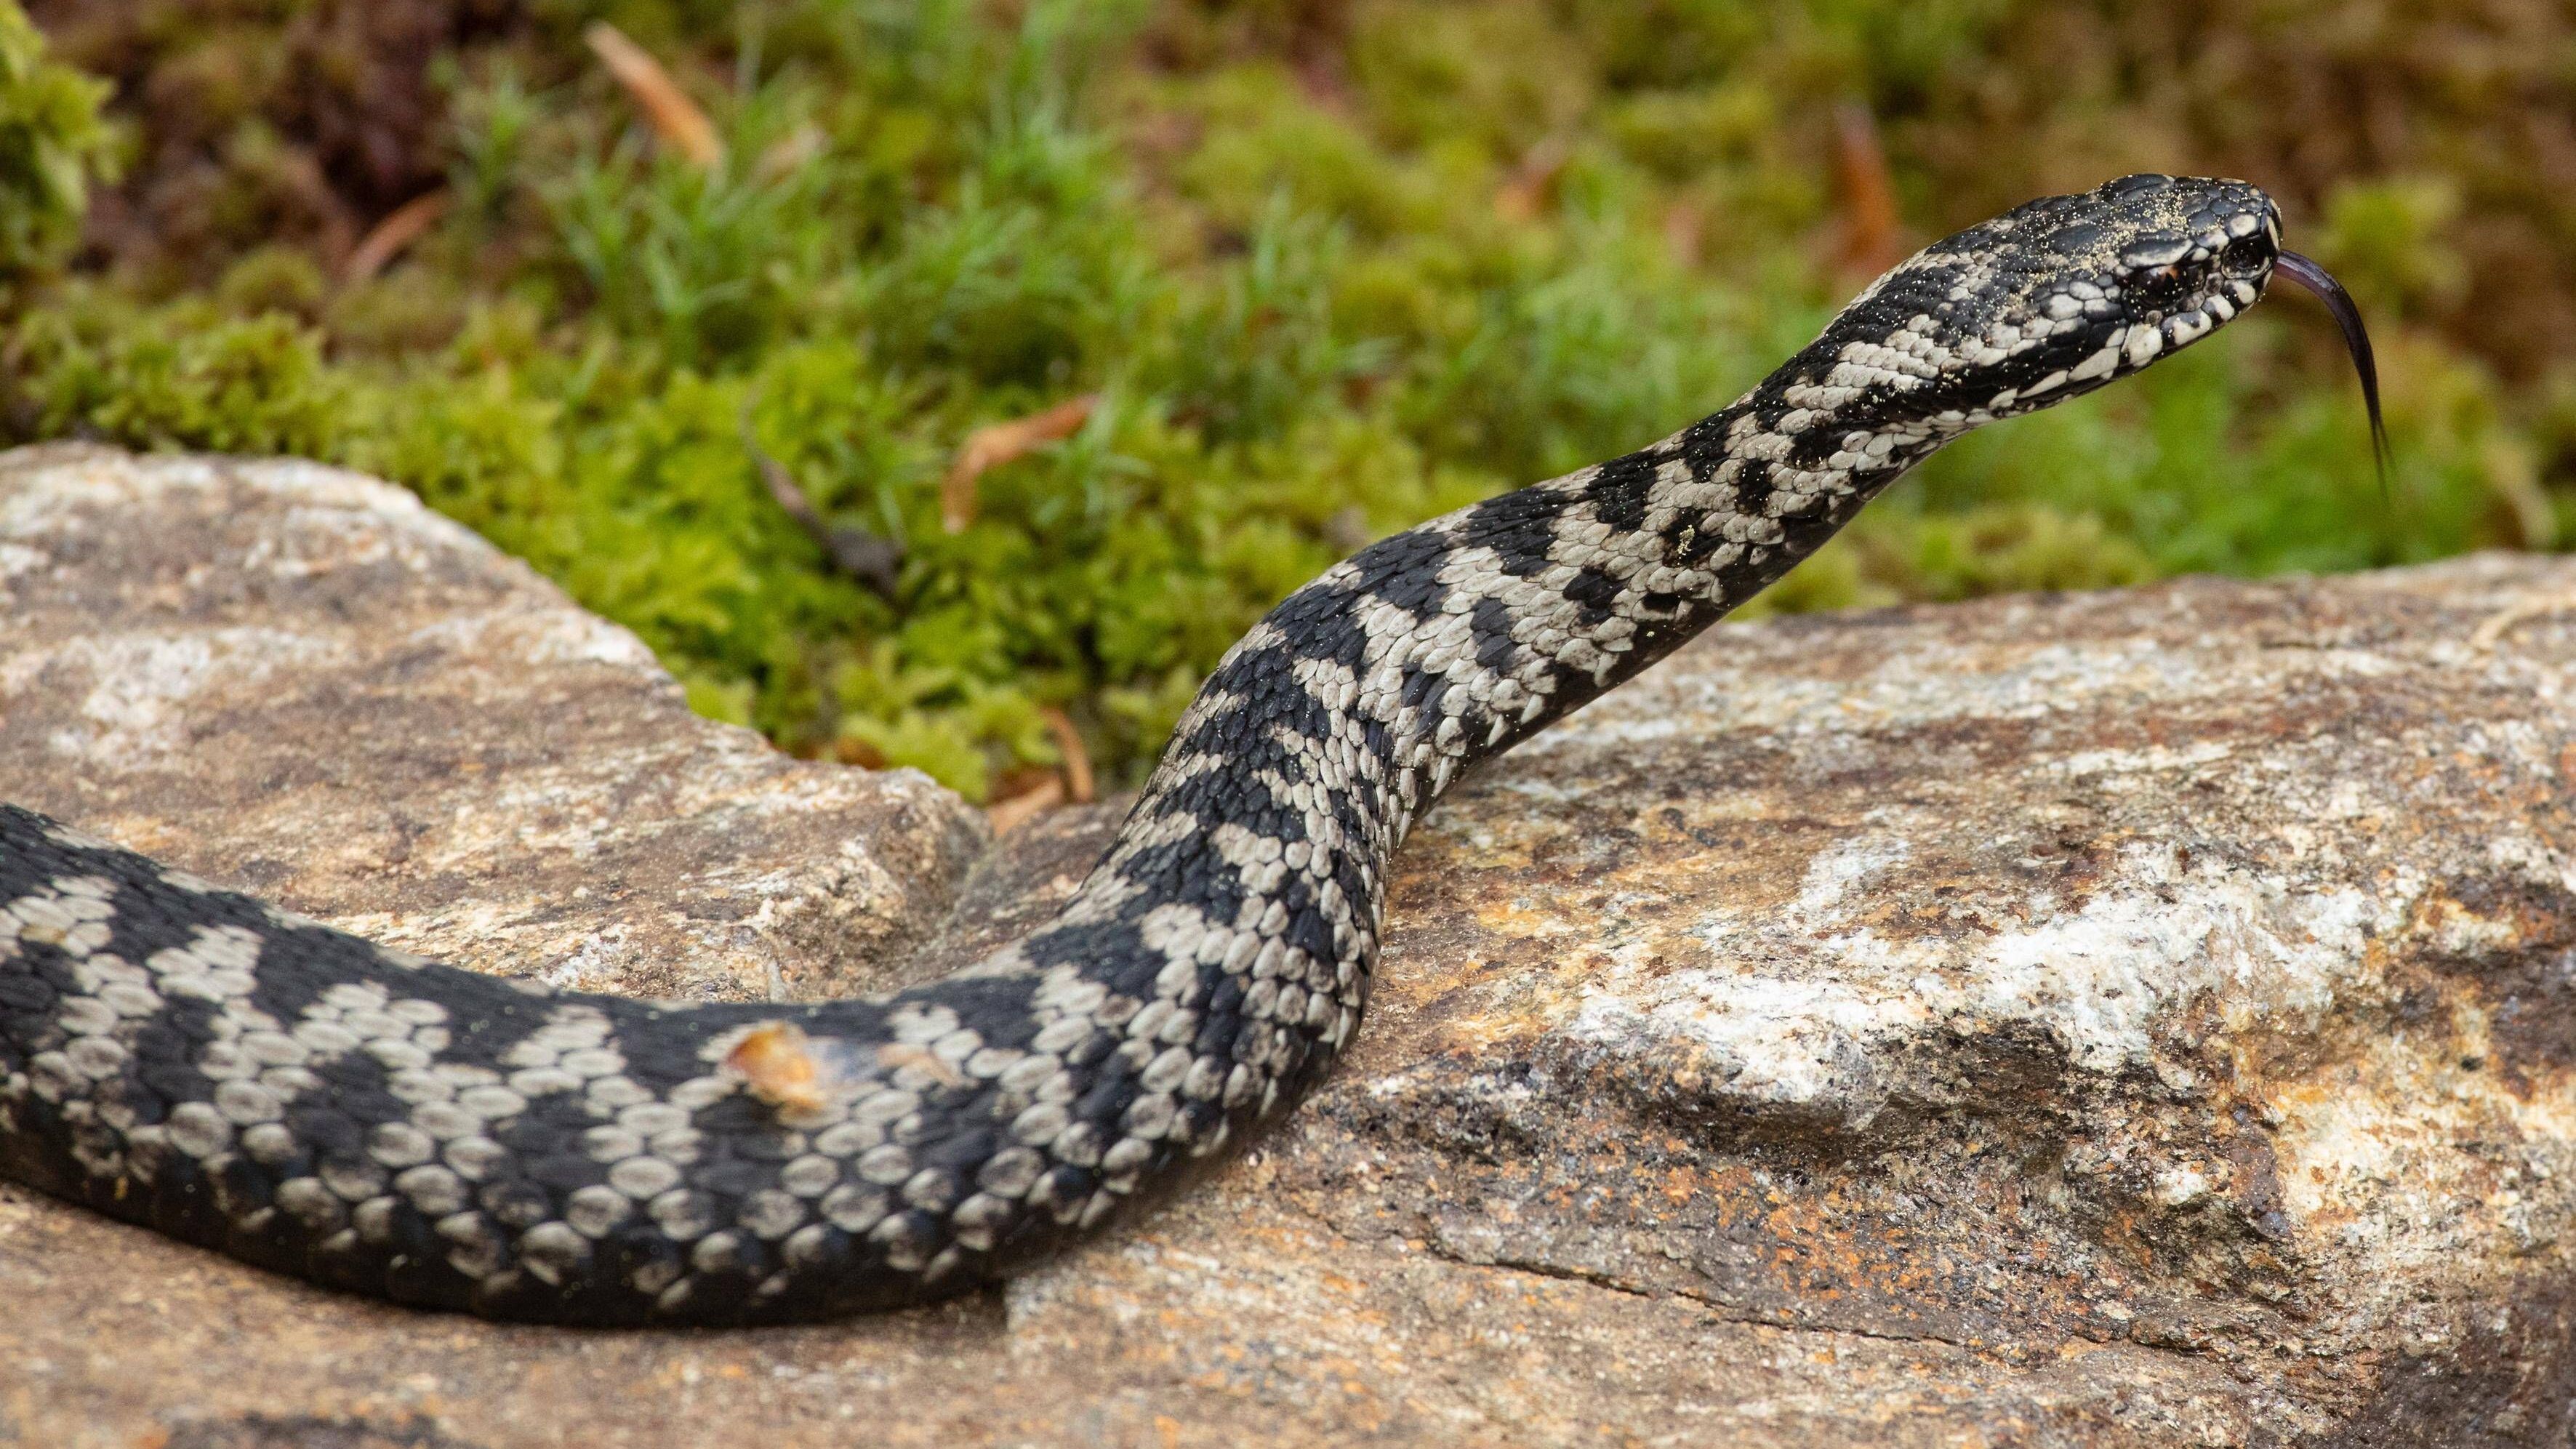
(2139, 1018)
(304, 682)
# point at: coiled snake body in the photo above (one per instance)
(182, 1056)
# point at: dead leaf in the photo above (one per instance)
(870, 558)
(401, 227)
(994, 444)
(777, 1061)
(1009, 815)
(1686, 232)
(674, 117)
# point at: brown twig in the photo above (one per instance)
(401, 227)
(873, 560)
(1872, 239)
(674, 117)
(1009, 815)
(867, 557)
(1077, 760)
(994, 444)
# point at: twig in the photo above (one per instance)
(2515, 478)
(401, 227)
(872, 560)
(1077, 760)
(675, 118)
(994, 444)
(1009, 815)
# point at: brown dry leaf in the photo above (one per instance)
(777, 1061)
(406, 224)
(1872, 239)
(675, 118)
(1077, 760)
(1009, 815)
(994, 444)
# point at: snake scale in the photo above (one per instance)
(182, 1056)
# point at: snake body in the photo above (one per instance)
(182, 1056)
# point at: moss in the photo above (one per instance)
(1326, 268)
(52, 139)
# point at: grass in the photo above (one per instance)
(1327, 270)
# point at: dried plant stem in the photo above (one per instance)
(674, 117)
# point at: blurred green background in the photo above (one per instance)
(1326, 266)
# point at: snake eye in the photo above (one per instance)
(2156, 288)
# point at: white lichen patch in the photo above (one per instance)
(142, 686)
(1840, 870)
(2100, 978)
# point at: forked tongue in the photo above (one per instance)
(2356, 340)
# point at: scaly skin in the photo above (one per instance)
(185, 1057)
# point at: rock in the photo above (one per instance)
(303, 682)
(2136, 1018)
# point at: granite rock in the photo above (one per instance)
(2135, 1018)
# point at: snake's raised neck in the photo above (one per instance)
(187, 1057)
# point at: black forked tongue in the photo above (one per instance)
(2356, 340)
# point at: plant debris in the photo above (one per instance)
(401, 227)
(994, 444)
(675, 118)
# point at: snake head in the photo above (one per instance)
(2065, 293)
(2046, 302)
(2128, 271)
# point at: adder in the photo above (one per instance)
(187, 1057)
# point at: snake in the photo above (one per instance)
(190, 1058)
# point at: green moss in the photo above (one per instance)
(1327, 271)
(51, 139)
(186, 376)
